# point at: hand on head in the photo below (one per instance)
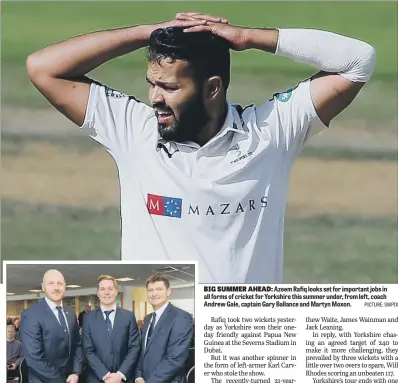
(218, 26)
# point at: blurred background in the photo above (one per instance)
(60, 189)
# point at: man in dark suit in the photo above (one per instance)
(80, 318)
(166, 337)
(110, 338)
(50, 336)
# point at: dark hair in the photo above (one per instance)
(158, 278)
(208, 55)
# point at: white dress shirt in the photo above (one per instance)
(111, 315)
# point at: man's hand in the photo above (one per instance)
(184, 23)
(73, 378)
(113, 378)
(13, 366)
(201, 16)
(140, 380)
(236, 36)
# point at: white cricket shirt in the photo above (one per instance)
(222, 204)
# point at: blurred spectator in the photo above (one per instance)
(87, 309)
(140, 324)
(9, 321)
(14, 353)
(16, 323)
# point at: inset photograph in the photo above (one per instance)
(100, 322)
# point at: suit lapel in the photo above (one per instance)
(147, 319)
(53, 319)
(49, 314)
(162, 320)
(67, 315)
(70, 318)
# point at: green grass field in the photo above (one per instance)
(44, 213)
(26, 26)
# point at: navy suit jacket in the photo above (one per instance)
(110, 353)
(50, 358)
(163, 359)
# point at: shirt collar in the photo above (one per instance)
(52, 304)
(111, 308)
(160, 310)
(233, 123)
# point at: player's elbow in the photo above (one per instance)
(32, 66)
(368, 61)
(362, 67)
(36, 68)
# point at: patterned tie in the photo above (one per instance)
(62, 321)
(108, 321)
(151, 327)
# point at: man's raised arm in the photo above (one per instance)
(59, 71)
(345, 64)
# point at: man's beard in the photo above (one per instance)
(193, 118)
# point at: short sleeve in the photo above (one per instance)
(291, 118)
(114, 119)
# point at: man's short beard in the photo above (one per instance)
(192, 120)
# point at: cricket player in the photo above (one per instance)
(200, 178)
